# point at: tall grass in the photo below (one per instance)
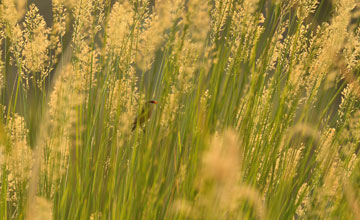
(257, 118)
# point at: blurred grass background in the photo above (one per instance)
(258, 113)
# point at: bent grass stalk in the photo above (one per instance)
(257, 116)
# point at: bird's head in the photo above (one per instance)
(152, 102)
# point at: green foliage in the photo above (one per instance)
(257, 115)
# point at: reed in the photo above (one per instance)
(257, 116)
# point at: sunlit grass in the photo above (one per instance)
(257, 115)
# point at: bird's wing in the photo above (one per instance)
(145, 114)
(140, 118)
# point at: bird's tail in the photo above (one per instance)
(134, 125)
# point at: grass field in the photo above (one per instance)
(258, 113)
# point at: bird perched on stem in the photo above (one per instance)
(144, 115)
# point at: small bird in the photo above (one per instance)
(144, 115)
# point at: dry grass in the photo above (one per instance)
(258, 114)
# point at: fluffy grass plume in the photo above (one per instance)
(258, 113)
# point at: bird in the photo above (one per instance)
(144, 115)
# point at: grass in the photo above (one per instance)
(257, 115)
